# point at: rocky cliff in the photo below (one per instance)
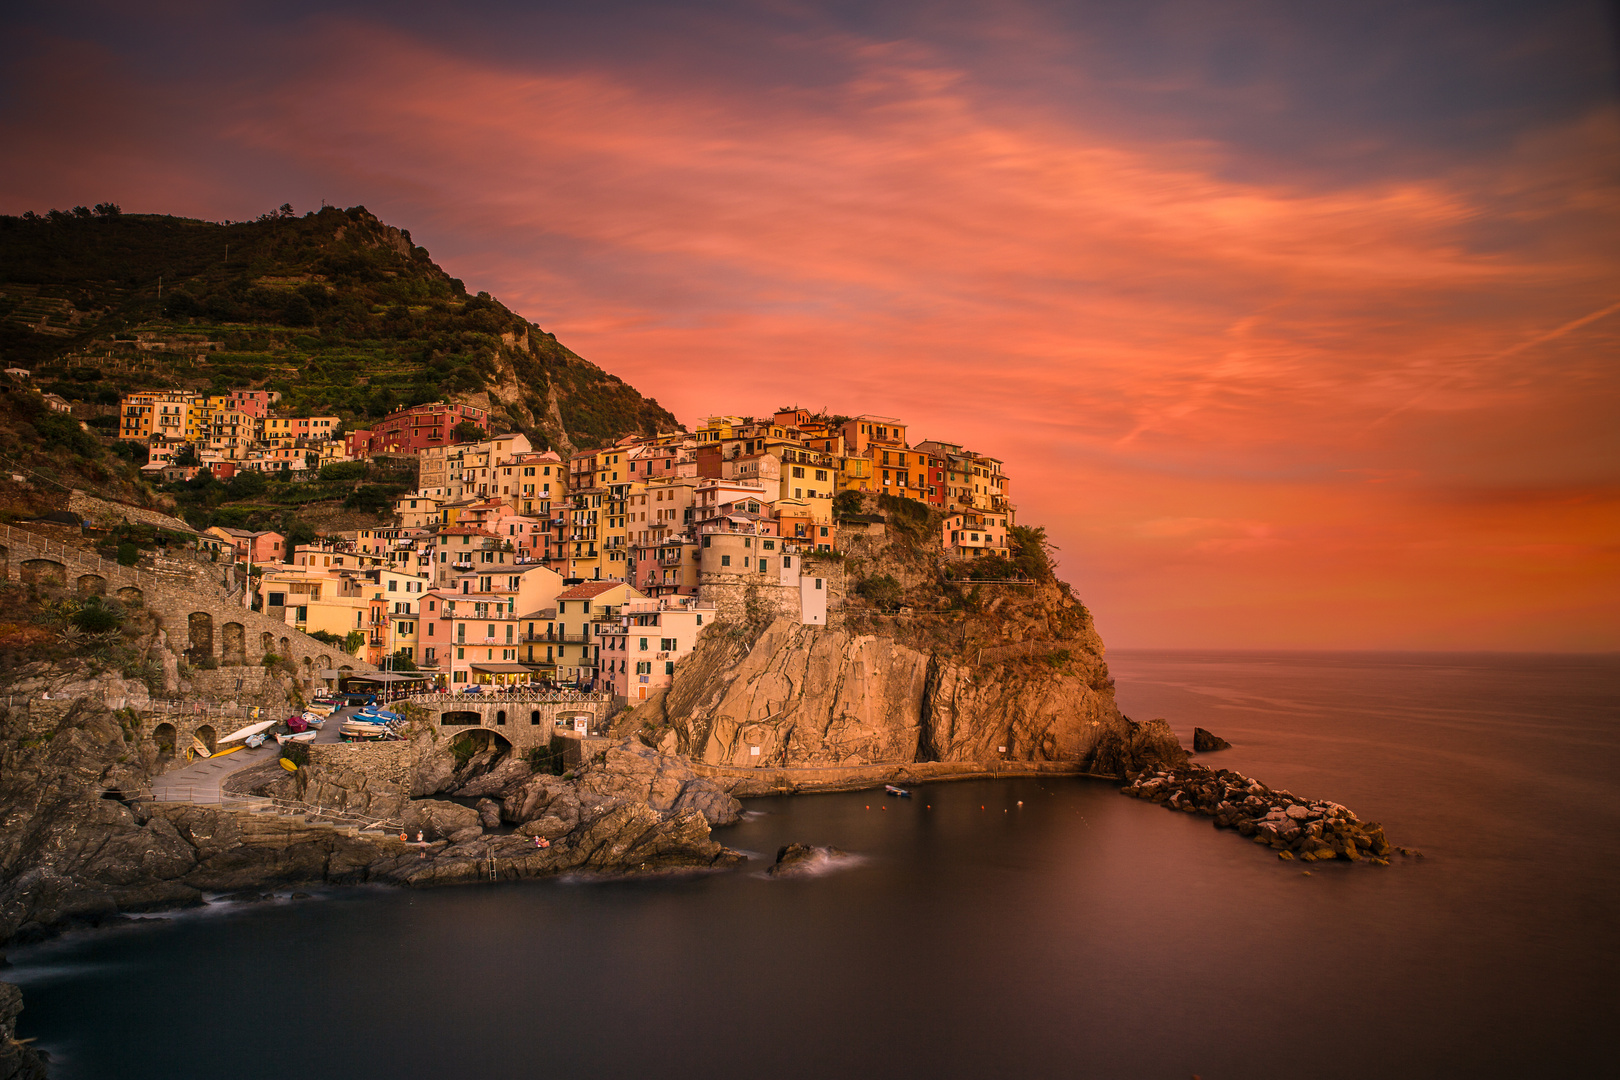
(1020, 683)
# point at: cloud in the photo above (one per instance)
(1218, 381)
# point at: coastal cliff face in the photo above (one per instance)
(1021, 684)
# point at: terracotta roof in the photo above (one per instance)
(589, 589)
(465, 530)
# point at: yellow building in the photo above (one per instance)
(155, 412)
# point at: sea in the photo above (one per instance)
(1014, 928)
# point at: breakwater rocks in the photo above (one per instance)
(1295, 828)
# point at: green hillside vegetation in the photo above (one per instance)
(340, 312)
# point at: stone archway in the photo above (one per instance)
(534, 717)
(286, 649)
(500, 717)
(199, 636)
(208, 737)
(460, 718)
(164, 735)
(267, 643)
(130, 596)
(233, 644)
(40, 571)
(92, 585)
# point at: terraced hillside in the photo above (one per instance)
(340, 312)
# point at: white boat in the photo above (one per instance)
(302, 736)
(251, 729)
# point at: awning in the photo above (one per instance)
(389, 677)
(502, 669)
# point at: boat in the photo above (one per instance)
(200, 749)
(897, 792)
(227, 750)
(288, 765)
(302, 736)
(253, 742)
(251, 729)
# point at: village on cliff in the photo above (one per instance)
(511, 565)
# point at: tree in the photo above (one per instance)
(401, 661)
(186, 455)
(467, 431)
(247, 484)
(1031, 551)
(847, 503)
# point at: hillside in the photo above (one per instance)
(340, 312)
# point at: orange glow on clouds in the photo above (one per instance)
(1376, 412)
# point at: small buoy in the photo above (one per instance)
(1020, 802)
(869, 806)
(883, 808)
(930, 806)
(981, 808)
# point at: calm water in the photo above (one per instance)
(1077, 934)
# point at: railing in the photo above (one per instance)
(543, 697)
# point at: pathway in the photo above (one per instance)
(200, 780)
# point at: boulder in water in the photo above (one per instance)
(801, 858)
(1205, 742)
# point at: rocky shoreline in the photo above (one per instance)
(1293, 827)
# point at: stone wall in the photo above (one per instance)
(199, 620)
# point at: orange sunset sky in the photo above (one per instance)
(1296, 325)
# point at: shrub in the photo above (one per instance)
(883, 591)
(128, 554)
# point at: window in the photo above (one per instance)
(643, 667)
(787, 562)
(798, 472)
(700, 620)
(461, 654)
(762, 566)
(725, 560)
(768, 545)
(669, 667)
(818, 583)
(643, 644)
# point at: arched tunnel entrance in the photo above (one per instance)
(477, 752)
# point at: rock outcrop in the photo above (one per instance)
(18, 1060)
(1205, 742)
